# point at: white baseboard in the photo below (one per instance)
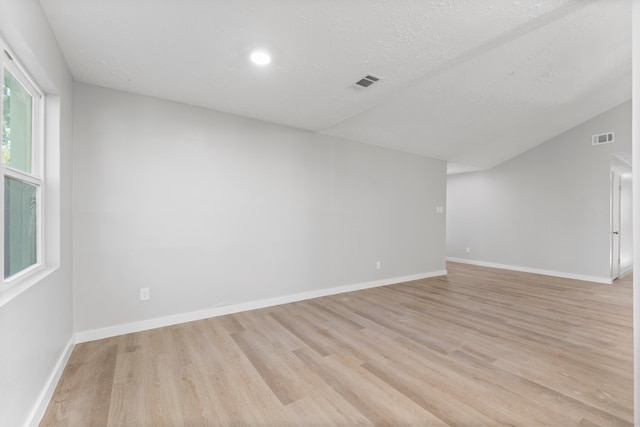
(605, 280)
(625, 272)
(47, 392)
(143, 325)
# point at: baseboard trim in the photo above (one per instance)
(47, 392)
(597, 279)
(625, 272)
(143, 325)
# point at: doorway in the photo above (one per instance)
(621, 216)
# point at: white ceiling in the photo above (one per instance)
(470, 82)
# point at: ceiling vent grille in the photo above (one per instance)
(603, 138)
(366, 81)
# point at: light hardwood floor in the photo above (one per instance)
(479, 347)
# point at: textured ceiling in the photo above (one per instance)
(470, 82)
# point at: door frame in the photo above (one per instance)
(614, 259)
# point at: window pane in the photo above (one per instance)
(16, 124)
(20, 226)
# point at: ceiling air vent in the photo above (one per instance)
(366, 81)
(603, 138)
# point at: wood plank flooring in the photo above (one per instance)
(479, 347)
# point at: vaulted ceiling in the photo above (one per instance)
(473, 83)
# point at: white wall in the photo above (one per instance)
(547, 209)
(209, 210)
(36, 326)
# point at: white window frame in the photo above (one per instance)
(36, 177)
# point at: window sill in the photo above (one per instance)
(9, 291)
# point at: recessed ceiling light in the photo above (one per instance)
(260, 57)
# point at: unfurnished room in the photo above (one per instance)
(320, 212)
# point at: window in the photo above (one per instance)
(21, 110)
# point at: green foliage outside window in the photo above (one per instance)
(17, 123)
(20, 192)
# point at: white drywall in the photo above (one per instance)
(210, 210)
(36, 325)
(547, 209)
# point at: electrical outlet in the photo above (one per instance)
(467, 250)
(144, 294)
(378, 265)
